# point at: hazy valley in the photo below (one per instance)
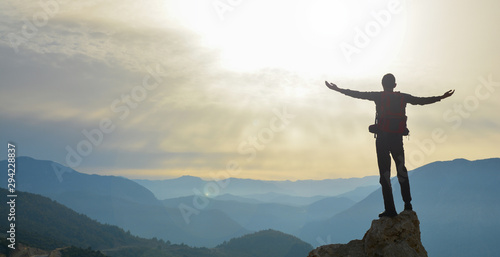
(456, 202)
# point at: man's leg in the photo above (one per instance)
(397, 150)
(384, 166)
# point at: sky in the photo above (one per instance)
(235, 88)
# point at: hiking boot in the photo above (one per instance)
(408, 207)
(390, 214)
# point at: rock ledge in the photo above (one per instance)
(387, 237)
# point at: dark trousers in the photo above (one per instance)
(388, 144)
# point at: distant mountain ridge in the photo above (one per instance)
(455, 199)
(121, 202)
(45, 224)
(184, 186)
(458, 207)
(58, 179)
(260, 215)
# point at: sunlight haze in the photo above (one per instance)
(161, 89)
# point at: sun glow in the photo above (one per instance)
(315, 37)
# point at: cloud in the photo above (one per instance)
(89, 61)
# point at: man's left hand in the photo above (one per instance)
(331, 86)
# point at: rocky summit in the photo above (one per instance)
(387, 237)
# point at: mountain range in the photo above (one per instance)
(259, 216)
(121, 202)
(125, 203)
(258, 189)
(456, 201)
(47, 227)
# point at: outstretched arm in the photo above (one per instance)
(352, 93)
(428, 100)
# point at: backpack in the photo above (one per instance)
(390, 116)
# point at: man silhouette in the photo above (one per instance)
(389, 130)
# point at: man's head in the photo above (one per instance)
(388, 82)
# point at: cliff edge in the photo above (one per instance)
(388, 237)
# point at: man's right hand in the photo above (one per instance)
(331, 86)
